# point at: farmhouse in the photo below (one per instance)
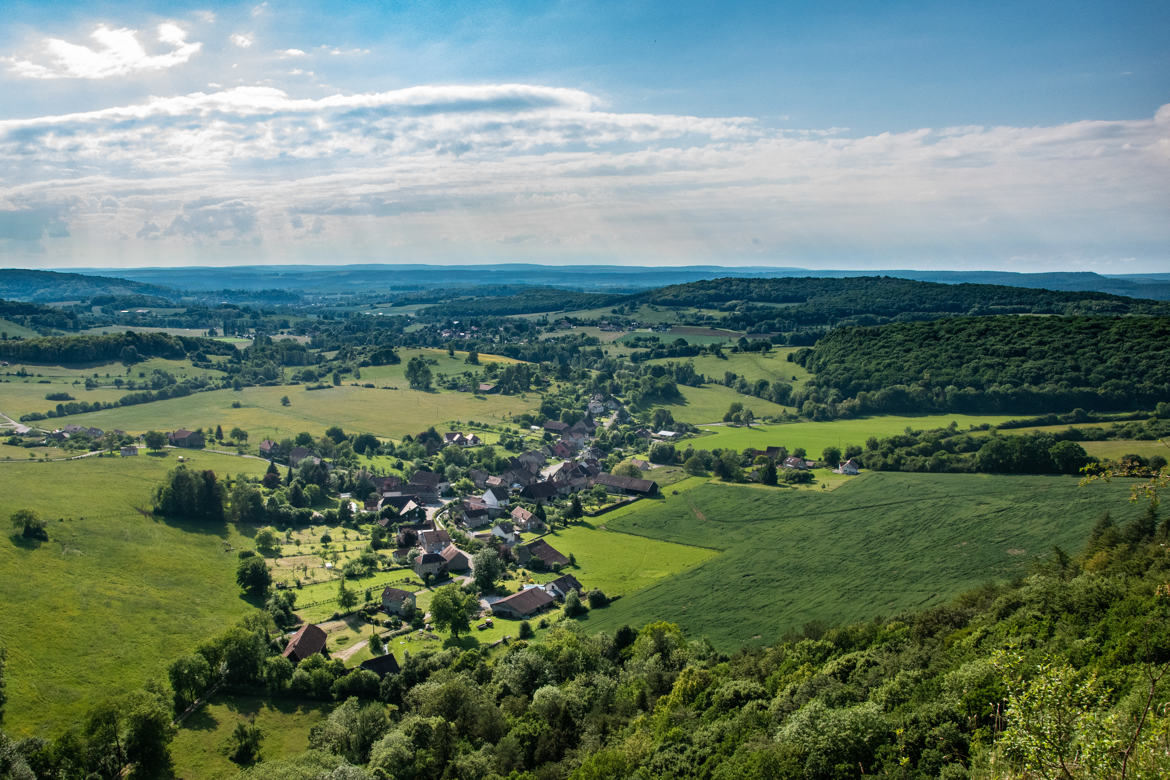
(433, 541)
(525, 520)
(560, 587)
(310, 639)
(540, 491)
(129, 451)
(556, 426)
(543, 552)
(486, 387)
(495, 497)
(457, 560)
(381, 665)
(430, 563)
(523, 604)
(269, 449)
(397, 601)
(504, 531)
(615, 483)
(793, 462)
(848, 467)
(186, 438)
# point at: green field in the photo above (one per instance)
(198, 747)
(15, 330)
(619, 563)
(750, 365)
(708, 404)
(395, 375)
(880, 545)
(1117, 448)
(114, 595)
(388, 413)
(815, 436)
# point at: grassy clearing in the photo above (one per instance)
(619, 563)
(9, 452)
(14, 330)
(113, 595)
(815, 436)
(443, 363)
(388, 413)
(883, 544)
(708, 404)
(751, 365)
(198, 748)
(1112, 450)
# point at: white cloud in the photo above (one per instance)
(291, 53)
(438, 172)
(117, 52)
(243, 40)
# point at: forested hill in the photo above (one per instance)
(776, 305)
(24, 285)
(128, 347)
(984, 364)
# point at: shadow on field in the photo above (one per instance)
(201, 720)
(219, 529)
(25, 543)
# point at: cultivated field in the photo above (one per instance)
(815, 436)
(114, 595)
(883, 544)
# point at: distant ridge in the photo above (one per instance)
(41, 286)
(610, 278)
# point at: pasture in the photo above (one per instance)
(441, 363)
(1116, 448)
(198, 749)
(750, 365)
(114, 595)
(386, 413)
(815, 436)
(708, 404)
(883, 544)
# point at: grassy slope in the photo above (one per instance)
(886, 543)
(15, 330)
(113, 596)
(751, 365)
(1117, 448)
(709, 403)
(390, 413)
(198, 748)
(815, 436)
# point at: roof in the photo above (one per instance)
(630, 484)
(428, 478)
(564, 583)
(381, 665)
(526, 601)
(451, 552)
(499, 491)
(438, 536)
(540, 490)
(556, 426)
(522, 515)
(431, 558)
(395, 594)
(546, 552)
(308, 640)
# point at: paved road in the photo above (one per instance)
(17, 427)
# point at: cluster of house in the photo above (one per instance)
(294, 457)
(850, 466)
(69, 431)
(310, 639)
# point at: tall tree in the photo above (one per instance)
(451, 609)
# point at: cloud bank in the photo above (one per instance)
(117, 52)
(541, 173)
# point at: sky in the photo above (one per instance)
(1021, 136)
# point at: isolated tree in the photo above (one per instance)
(452, 608)
(418, 374)
(253, 576)
(219, 433)
(487, 568)
(30, 524)
(284, 401)
(376, 646)
(155, 440)
(346, 598)
(768, 475)
(239, 434)
(472, 357)
(244, 744)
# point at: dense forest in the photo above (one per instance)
(990, 364)
(793, 304)
(129, 347)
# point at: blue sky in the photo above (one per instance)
(1018, 136)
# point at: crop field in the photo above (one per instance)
(708, 404)
(387, 413)
(751, 365)
(114, 595)
(815, 436)
(883, 544)
(198, 749)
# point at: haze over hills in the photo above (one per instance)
(353, 278)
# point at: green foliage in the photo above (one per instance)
(451, 609)
(253, 576)
(418, 374)
(193, 495)
(30, 524)
(244, 747)
(487, 568)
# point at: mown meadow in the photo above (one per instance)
(884, 544)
